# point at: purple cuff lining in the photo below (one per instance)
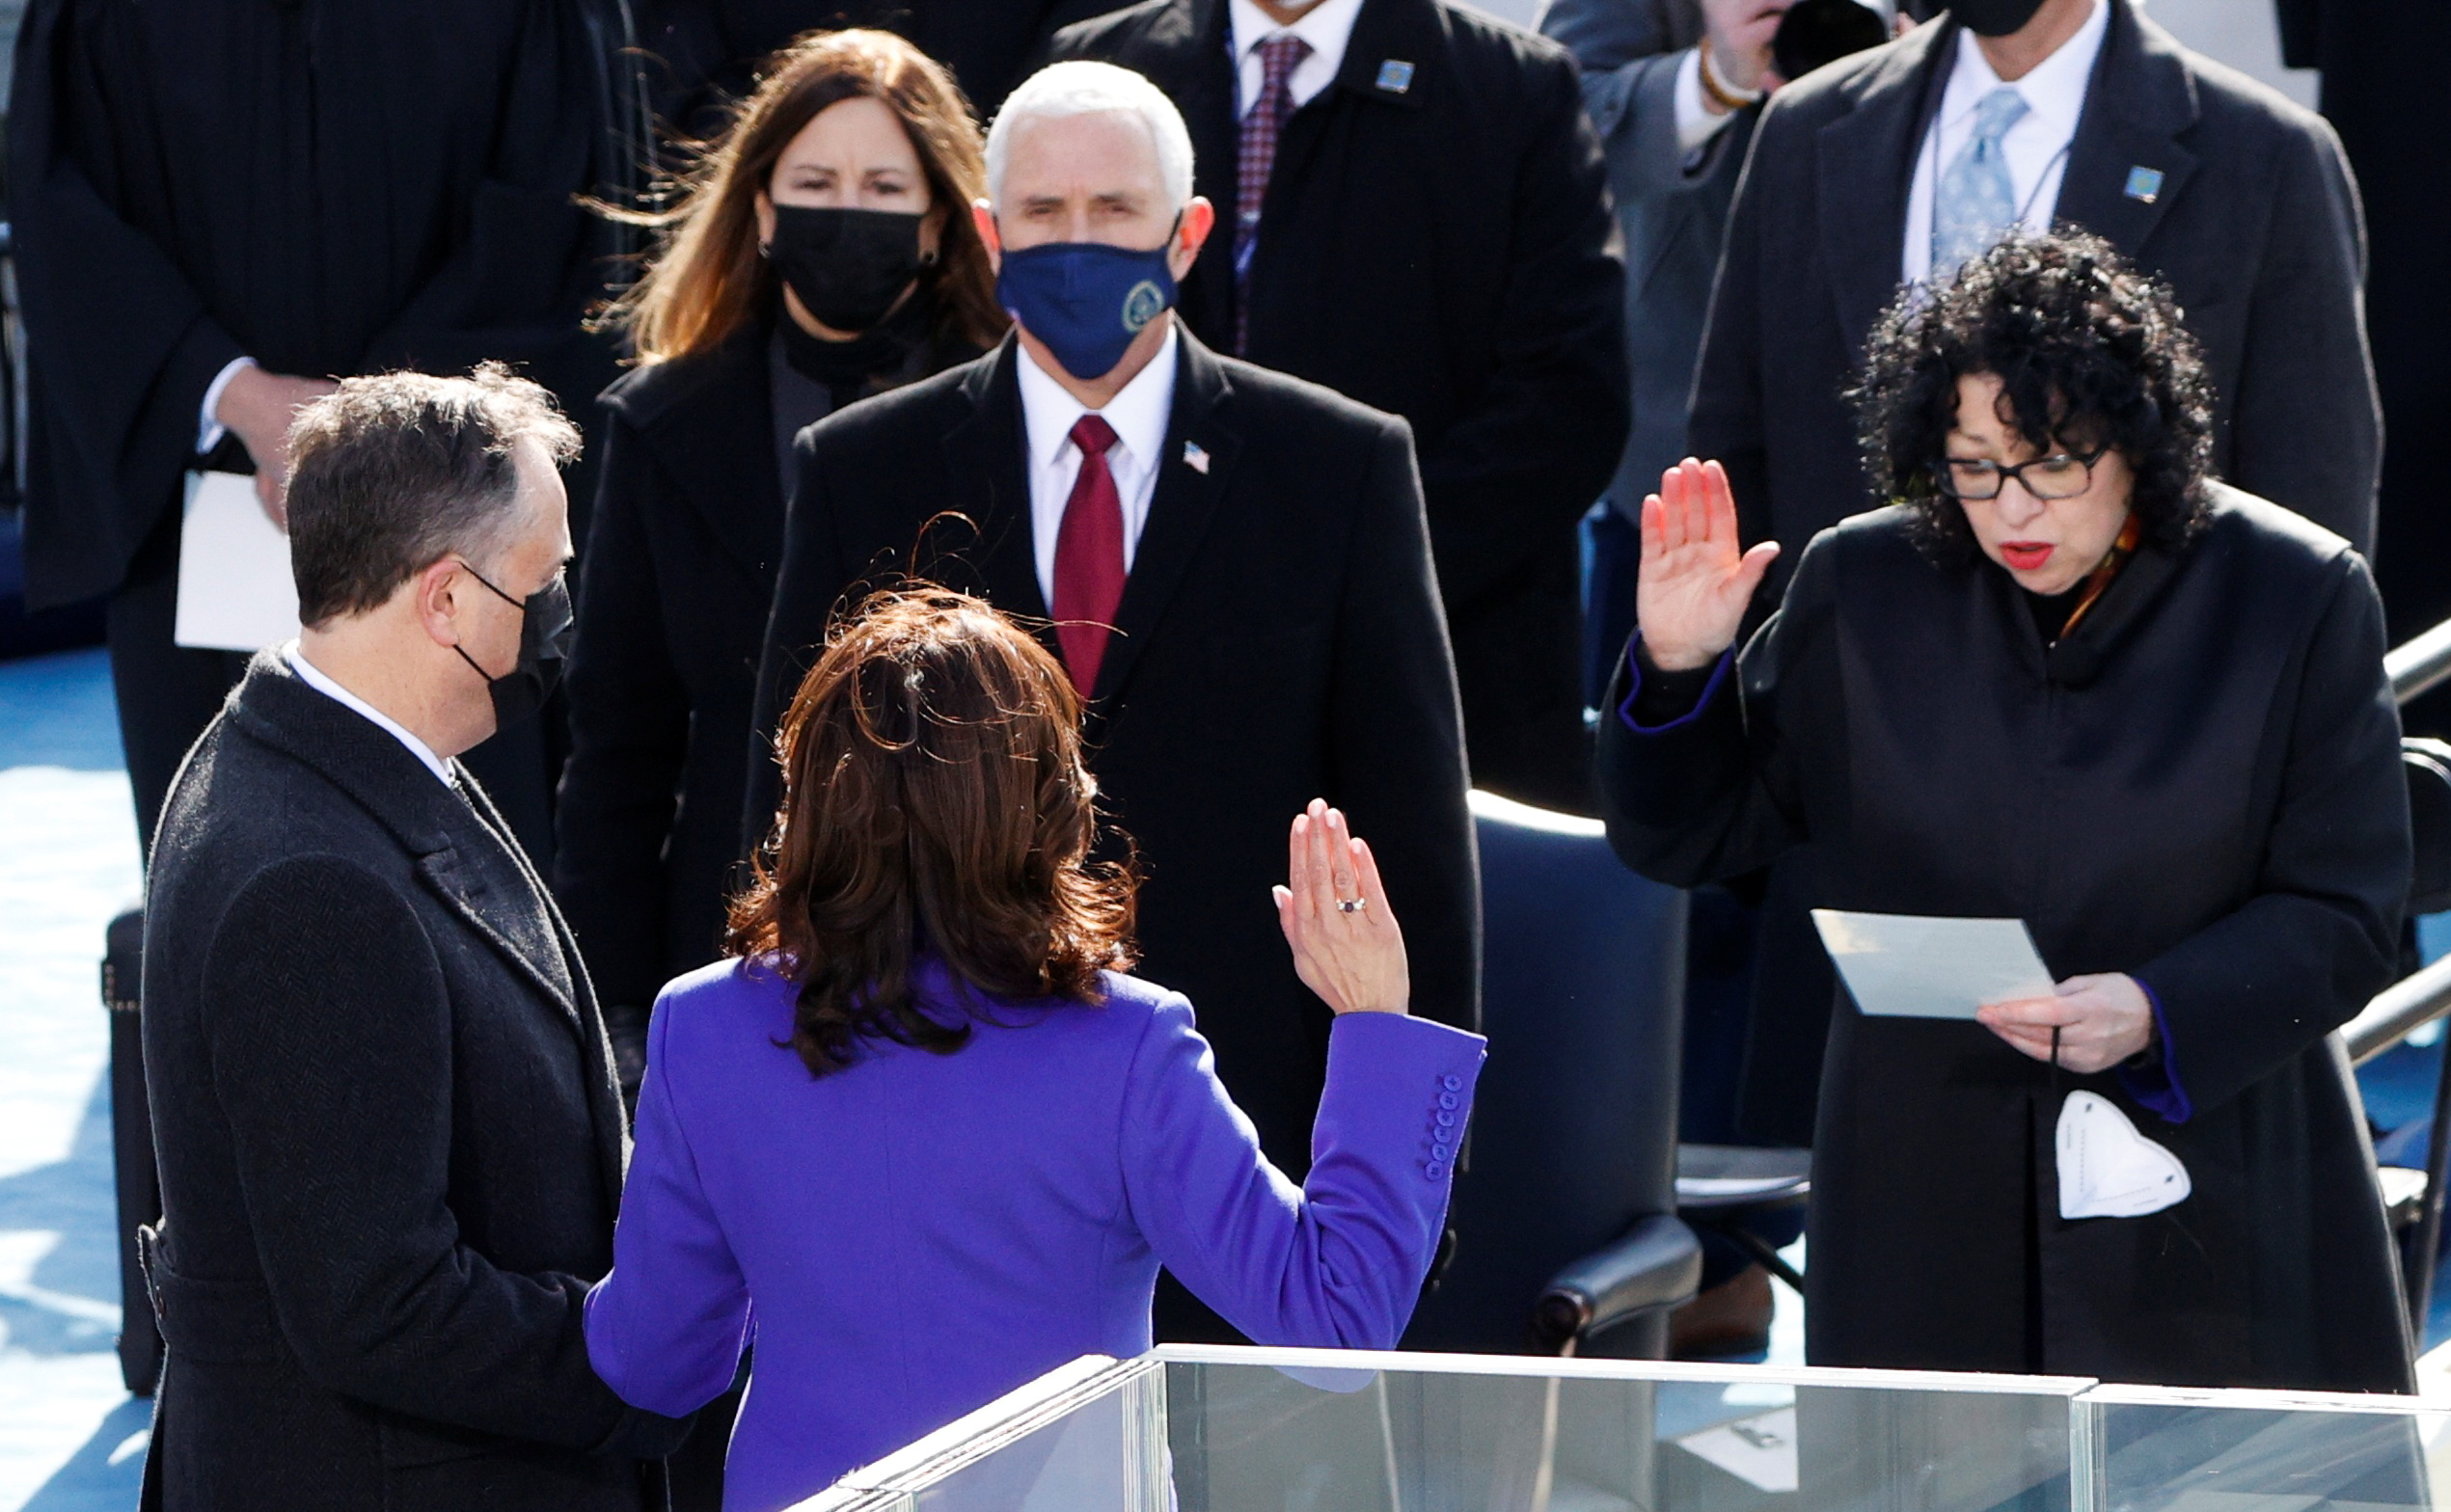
(1634, 691)
(2156, 1088)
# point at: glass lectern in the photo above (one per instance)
(1186, 1429)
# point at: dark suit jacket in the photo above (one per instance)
(391, 1146)
(1279, 640)
(2256, 226)
(1440, 251)
(679, 570)
(2382, 62)
(1671, 210)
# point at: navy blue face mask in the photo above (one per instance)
(1087, 300)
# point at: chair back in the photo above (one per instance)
(1574, 1125)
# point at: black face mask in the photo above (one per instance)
(1993, 17)
(545, 630)
(847, 266)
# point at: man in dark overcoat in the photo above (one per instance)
(1413, 212)
(1275, 628)
(391, 1141)
(2237, 198)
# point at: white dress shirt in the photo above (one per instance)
(2036, 149)
(314, 676)
(208, 426)
(1696, 125)
(1326, 26)
(1138, 415)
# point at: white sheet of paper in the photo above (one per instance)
(234, 588)
(1905, 966)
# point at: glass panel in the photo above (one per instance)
(2265, 1451)
(1454, 1435)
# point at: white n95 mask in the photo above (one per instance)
(2106, 1169)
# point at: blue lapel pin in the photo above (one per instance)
(2144, 184)
(1395, 75)
(1195, 458)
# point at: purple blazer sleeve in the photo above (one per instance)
(1336, 1262)
(670, 1323)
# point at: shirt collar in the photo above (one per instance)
(2054, 89)
(1326, 26)
(1138, 412)
(314, 676)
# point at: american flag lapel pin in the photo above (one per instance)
(1195, 457)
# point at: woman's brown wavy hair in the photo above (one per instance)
(710, 278)
(934, 804)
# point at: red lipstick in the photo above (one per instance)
(2026, 555)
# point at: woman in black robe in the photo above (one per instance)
(2069, 678)
(823, 252)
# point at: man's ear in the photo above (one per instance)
(1199, 218)
(438, 600)
(983, 216)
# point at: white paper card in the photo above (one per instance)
(234, 588)
(1904, 965)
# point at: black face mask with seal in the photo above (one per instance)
(545, 626)
(1993, 17)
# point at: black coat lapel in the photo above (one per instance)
(2126, 164)
(987, 463)
(713, 432)
(1192, 473)
(1864, 161)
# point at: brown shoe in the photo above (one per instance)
(1731, 1318)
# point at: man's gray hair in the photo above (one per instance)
(392, 474)
(1063, 89)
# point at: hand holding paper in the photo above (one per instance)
(2102, 1020)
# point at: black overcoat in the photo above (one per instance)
(2254, 221)
(2202, 788)
(1436, 242)
(1279, 640)
(391, 1146)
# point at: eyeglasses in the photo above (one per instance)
(2063, 475)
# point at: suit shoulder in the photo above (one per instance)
(645, 393)
(1274, 395)
(891, 419)
(2229, 103)
(2272, 536)
(1484, 38)
(1157, 21)
(726, 992)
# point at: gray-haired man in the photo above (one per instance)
(390, 1143)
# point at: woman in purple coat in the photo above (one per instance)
(925, 1133)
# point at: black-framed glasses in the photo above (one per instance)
(2063, 475)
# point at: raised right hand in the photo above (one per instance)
(259, 406)
(1354, 960)
(1694, 584)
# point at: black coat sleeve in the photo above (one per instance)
(1538, 443)
(811, 579)
(328, 1028)
(1720, 792)
(529, 255)
(2321, 935)
(629, 740)
(120, 342)
(1397, 735)
(2305, 423)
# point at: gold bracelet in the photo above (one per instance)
(1728, 100)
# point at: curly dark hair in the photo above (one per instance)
(2090, 353)
(934, 804)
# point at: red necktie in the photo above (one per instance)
(1089, 556)
(1256, 159)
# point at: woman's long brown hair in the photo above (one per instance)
(934, 804)
(710, 278)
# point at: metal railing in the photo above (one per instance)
(2411, 1003)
